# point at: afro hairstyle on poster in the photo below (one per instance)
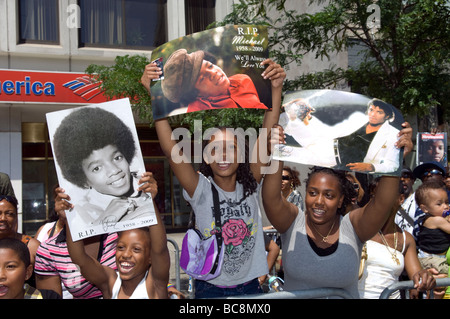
(84, 131)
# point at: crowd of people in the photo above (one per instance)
(331, 237)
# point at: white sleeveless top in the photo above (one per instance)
(43, 235)
(139, 293)
(381, 271)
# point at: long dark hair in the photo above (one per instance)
(244, 174)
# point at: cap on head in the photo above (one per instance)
(419, 170)
(181, 72)
(409, 172)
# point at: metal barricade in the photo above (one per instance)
(409, 284)
(177, 263)
(274, 233)
(317, 293)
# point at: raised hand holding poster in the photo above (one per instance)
(213, 69)
(341, 130)
(99, 163)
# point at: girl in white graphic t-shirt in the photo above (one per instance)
(237, 182)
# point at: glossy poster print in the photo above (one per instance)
(341, 130)
(432, 148)
(99, 163)
(213, 69)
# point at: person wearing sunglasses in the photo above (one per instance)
(289, 183)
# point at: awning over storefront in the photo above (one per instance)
(21, 86)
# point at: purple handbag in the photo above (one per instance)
(202, 258)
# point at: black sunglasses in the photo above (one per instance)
(285, 178)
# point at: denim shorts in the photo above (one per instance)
(204, 289)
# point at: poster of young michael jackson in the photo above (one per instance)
(99, 162)
(214, 69)
(341, 130)
(432, 147)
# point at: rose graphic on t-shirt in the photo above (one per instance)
(239, 242)
(235, 232)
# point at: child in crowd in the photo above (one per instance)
(237, 183)
(142, 260)
(434, 228)
(15, 269)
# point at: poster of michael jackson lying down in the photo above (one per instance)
(99, 162)
(341, 130)
(213, 69)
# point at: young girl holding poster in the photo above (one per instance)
(237, 185)
(142, 260)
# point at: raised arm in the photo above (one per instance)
(276, 74)
(279, 211)
(160, 258)
(179, 162)
(368, 220)
(90, 268)
(159, 252)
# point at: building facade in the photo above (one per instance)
(48, 43)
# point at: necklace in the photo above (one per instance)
(393, 254)
(324, 238)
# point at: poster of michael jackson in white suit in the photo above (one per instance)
(341, 130)
(99, 162)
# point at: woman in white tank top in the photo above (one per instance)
(389, 252)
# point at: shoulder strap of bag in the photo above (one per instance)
(218, 224)
(406, 216)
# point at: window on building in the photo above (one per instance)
(199, 14)
(38, 21)
(137, 24)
